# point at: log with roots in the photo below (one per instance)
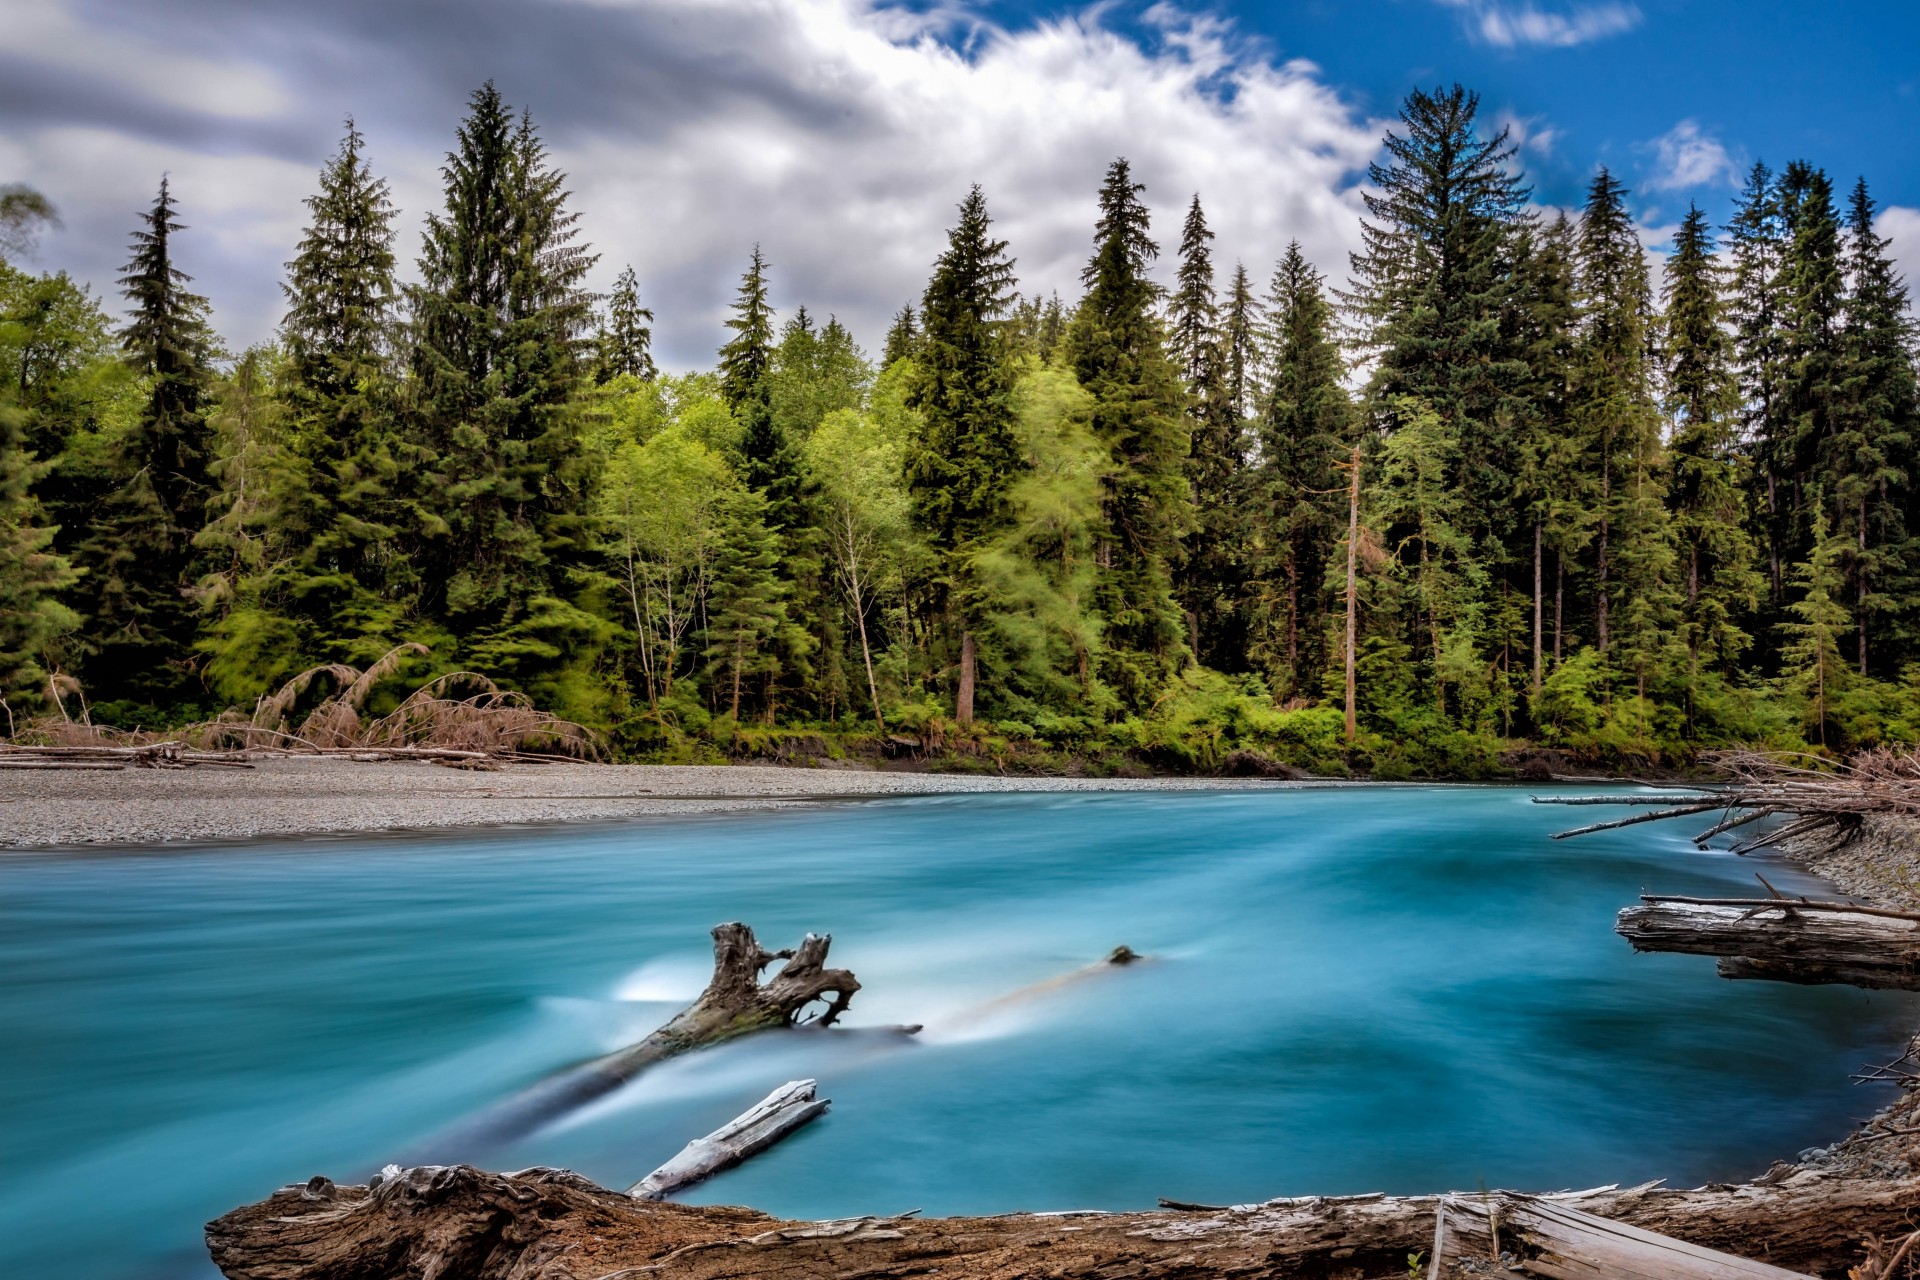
(545, 1224)
(736, 1003)
(1783, 939)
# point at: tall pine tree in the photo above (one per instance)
(140, 560)
(1117, 348)
(626, 334)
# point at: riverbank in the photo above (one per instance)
(314, 795)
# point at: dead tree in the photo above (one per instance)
(736, 1003)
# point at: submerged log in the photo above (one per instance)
(1783, 939)
(736, 1003)
(460, 1221)
(780, 1113)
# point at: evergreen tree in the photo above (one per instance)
(903, 338)
(501, 347)
(1870, 457)
(1213, 575)
(747, 357)
(1305, 432)
(626, 335)
(341, 504)
(140, 560)
(1702, 402)
(1614, 417)
(1117, 348)
(1757, 244)
(1240, 344)
(1813, 295)
(965, 455)
(1813, 662)
(748, 627)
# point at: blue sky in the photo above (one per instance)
(840, 133)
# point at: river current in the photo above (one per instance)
(1351, 989)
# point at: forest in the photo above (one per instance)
(1515, 483)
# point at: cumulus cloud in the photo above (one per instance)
(1508, 25)
(1901, 225)
(839, 134)
(1686, 157)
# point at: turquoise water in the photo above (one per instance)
(1383, 988)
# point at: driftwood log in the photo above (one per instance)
(780, 1113)
(736, 1003)
(1550, 1237)
(1783, 939)
(545, 1224)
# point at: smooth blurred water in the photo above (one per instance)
(1378, 988)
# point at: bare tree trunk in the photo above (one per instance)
(1538, 605)
(1353, 603)
(1559, 602)
(739, 656)
(963, 697)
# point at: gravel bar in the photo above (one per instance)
(291, 796)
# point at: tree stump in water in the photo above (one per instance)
(736, 1003)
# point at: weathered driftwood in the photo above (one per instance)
(1783, 939)
(1553, 1238)
(149, 755)
(780, 1113)
(736, 1003)
(460, 1221)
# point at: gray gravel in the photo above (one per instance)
(303, 796)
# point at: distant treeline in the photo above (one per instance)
(1589, 514)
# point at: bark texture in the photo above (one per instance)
(1784, 940)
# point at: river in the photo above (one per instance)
(1381, 988)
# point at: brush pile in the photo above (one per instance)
(461, 720)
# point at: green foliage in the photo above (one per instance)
(625, 344)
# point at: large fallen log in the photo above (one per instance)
(736, 1003)
(780, 1113)
(1783, 939)
(555, 1225)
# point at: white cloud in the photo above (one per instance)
(1686, 157)
(1902, 226)
(1531, 134)
(1508, 25)
(840, 137)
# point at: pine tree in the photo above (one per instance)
(964, 457)
(1870, 458)
(140, 560)
(1757, 245)
(748, 628)
(1240, 343)
(1702, 402)
(1117, 348)
(1305, 432)
(1613, 415)
(340, 507)
(1813, 296)
(501, 325)
(747, 357)
(626, 335)
(1212, 576)
(1813, 663)
(903, 338)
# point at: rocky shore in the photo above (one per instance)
(296, 795)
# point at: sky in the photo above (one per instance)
(840, 134)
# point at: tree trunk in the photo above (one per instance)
(1783, 940)
(736, 1003)
(963, 697)
(461, 1222)
(1860, 590)
(780, 1113)
(1559, 602)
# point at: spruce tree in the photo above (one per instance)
(964, 456)
(1612, 414)
(501, 326)
(903, 338)
(748, 628)
(1702, 404)
(1306, 429)
(340, 508)
(1870, 458)
(1240, 344)
(1813, 296)
(140, 559)
(625, 345)
(1813, 663)
(1756, 241)
(1213, 574)
(1117, 348)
